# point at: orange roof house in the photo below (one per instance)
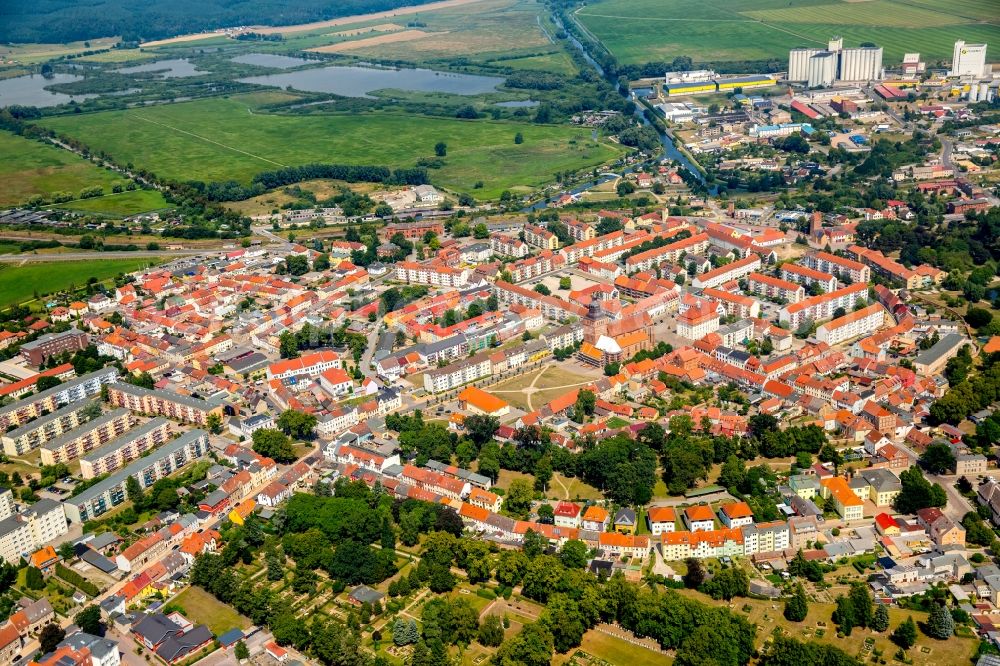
(44, 559)
(475, 399)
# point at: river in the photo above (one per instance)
(670, 151)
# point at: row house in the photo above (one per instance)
(309, 365)
(835, 265)
(124, 449)
(441, 484)
(732, 271)
(431, 274)
(807, 276)
(772, 287)
(614, 544)
(93, 434)
(373, 461)
(818, 308)
(49, 400)
(163, 403)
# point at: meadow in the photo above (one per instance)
(226, 139)
(638, 31)
(19, 283)
(30, 167)
(121, 204)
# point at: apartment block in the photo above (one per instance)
(456, 374)
(32, 435)
(831, 263)
(110, 492)
(52, 344)
(22, 534)
(671, 253)
(89, 436)
(807, 276)
(124, 449)
(818, 308)
(49, 400)
(772, 287)
(436, 275)
(733, 271)
(509, 246)
(853, 325)
(539, 237)
(163, 403)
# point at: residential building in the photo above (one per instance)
(163, 403)
(53, 344)
(855, 324)
(125, 448)
(49, 400)
(89, 436)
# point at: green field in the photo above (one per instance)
(202, 608)
(638, 31)
(20, 283)
(121, 204)
(223, 139)
(29, 167)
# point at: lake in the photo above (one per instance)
(358, 81)
(170, 69)
(30, 90)
(270, 60)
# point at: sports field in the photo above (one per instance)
(30, 167)
(223, 139)
(639, 31)
(20, 283)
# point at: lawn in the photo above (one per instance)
(20, 283)
(575, 488)
(614, 651)
(202, 608)
(122, 204)
(31, 167)
(650, 30)
(226, 139)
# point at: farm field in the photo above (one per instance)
(30, 167)
(202, 608)
(123, 203)
(224, 139)
(639, 31)
(19, 283)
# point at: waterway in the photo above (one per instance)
(669, 151)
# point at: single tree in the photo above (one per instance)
(797, 606)
(50, 636)
(89, 620)
(880, 621)
(241, 651)
(33, 579)
(906, 634)
(940, 624)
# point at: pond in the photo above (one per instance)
(270, 60)
(169, 69)
(358, 81)
(30, 90)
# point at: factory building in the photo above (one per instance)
(968, 60)
(823, 67)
